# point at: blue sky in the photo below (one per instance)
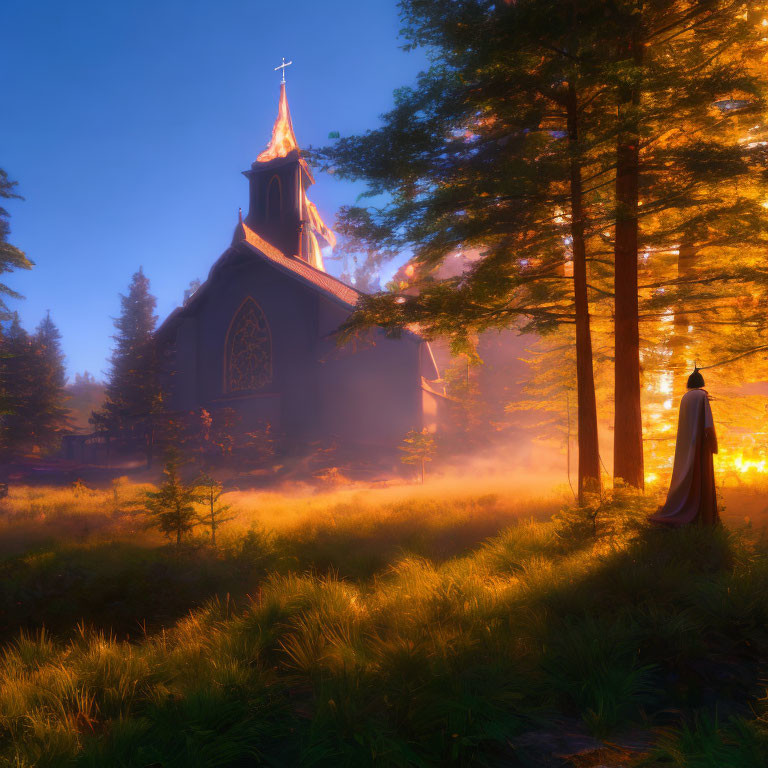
(127, 126)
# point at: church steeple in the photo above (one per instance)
(279, 209)
(283, 138)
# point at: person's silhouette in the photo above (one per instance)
(691, 496)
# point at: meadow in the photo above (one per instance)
(400, 626)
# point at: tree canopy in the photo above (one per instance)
(479, 158)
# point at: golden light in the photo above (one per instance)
(282, 143)
(316, 222)
(315, 255)
(283, 138)
(744, 465)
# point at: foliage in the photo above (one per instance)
(48, 395)
(32, 368)
(476, 158)
(208, 494)
(709, 742)
(217, 438)
(612, 515)
(133, 393)
(257, 447)
(418, 447)
(360, 263)
(10, 256)
(172, 507)
(472, 657)
(462, 385)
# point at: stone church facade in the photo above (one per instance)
(259, 337)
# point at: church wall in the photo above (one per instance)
(370, 391)
(288, 401)
(367, 393)
(185, 363)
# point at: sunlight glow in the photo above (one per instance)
(283, 138)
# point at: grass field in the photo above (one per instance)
(391, 627)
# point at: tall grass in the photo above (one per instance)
(409, 633)
(70, 555)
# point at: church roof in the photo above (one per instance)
(256, 245)
(311, 273)
(316, 277)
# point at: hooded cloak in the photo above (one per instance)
(691, 497)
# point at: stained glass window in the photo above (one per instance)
(249, 350)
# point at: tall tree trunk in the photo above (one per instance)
(586, 407)
(628, 425)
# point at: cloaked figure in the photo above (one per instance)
(691, 497)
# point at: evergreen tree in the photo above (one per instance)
(209, 492)
(10, 256)
(418, 448)
(554, 152)
(32, 369)
(47, 396)
(488, 153)
(133, 396)
(683, 75)
(17, 373)
(171, 508)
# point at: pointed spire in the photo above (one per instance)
(283, 139)
(239, 233)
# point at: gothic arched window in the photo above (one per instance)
(248, 350)
(274, 198)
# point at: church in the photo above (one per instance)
(259, 336)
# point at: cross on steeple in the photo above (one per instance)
(282, 67)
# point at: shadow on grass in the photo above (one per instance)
(450, 664)
(119, 587)
(669, 628)
(130, 588)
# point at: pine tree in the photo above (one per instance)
(589, 125)
(171, 508)
(32, 369)
(17, 369)
(489, 153)
(10, 256)
(674, 179)
(133, 396)
(209, 492)
(47, 396)
(418, 448)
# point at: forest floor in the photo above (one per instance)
(402, 626)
